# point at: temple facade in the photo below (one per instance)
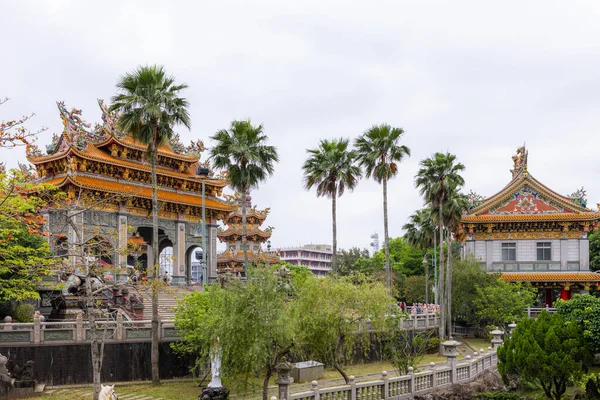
(107, 184)
(529, 233)
(232, 259)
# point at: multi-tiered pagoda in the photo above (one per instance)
(529, 233)
(104, 172)
(232, 259)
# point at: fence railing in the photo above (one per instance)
(40, 332)
(397, 387)
(78, 331)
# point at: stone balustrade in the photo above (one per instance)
(436, 376)
(40, 332)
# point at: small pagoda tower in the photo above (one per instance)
(232, 259)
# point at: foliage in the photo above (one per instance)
(243, 152)
(548, 350)
(350, 261)
(24, 312)
(249, 323)
(379, 154)
(468, 276)
(502, 302)
(24, 254)
(331, 168)
(585, 310)
(333, 315)
(406, 347)
(498, 396)
(13, 132)
(414, 289)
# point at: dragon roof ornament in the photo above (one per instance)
(579, 197)
(519, 161)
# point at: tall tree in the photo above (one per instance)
(150, 104)
(419, 232)
(332, 169)
(438, 176)
(379, 154)
(242, 150)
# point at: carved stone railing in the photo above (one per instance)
(78, 331)
(433, 378)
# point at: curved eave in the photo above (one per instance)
(232, 232)
(587, 216)
(119, 188)
(515, 184)
(566, 277)
(163, 150)
(252, 257)
(92, 153)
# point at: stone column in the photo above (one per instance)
(584, 254)
(489, 254)
(179, 275)
(121, 241)
(564, 254)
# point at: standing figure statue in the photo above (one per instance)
(215, 366)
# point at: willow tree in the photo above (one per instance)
(332, 169)
(379, 154)
(242, 150)
(150, 105)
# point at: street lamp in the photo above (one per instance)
(204, 173)
(426, 265)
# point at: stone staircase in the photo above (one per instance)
(168, 298)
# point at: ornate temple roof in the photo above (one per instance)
(106, 185)
(551, 277)
(525, 199)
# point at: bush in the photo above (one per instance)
(24, 312)
(433, 346)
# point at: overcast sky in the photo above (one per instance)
(470, 77)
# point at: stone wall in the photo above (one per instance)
(71, 363)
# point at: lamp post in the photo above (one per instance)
(204, 173)
(426, 265)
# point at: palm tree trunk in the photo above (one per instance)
(449, 287)
(334, 228)
(244, 244)
(441, 277)
(155, 264)
(388, 271)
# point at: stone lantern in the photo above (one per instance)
(284, 380)
(451, 352)
(497, 340)
(511, 328)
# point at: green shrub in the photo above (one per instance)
(433, 346)
(24, 312)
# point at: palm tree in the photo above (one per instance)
(437, 178)
(150, 105)
(332, 169)
(454, 206)
(419, 232)
(379, 154)
(242, 151)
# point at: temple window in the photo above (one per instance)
(509, 251)
(544, 251)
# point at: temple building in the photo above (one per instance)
(529, 233)
(232, 259)
(107, 183)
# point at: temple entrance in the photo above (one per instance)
(166, 260)
(193, 264)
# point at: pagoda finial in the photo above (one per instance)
(519, 161)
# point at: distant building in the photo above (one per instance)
(316, 257)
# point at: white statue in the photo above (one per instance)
(215, 366)
(107, 393)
